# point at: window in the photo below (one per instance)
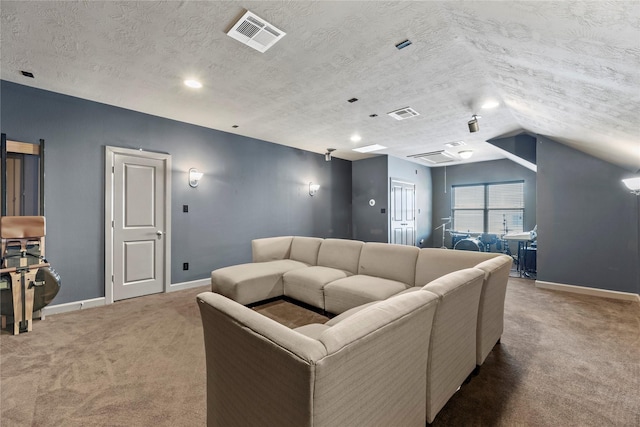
(488, 208)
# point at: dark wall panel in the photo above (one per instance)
(250, 188)
(369, 180)
(587, 221)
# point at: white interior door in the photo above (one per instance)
(403, 213)
(140, 197)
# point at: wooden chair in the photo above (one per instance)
(22, 252)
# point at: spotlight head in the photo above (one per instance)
(473, 124)
(327, 155)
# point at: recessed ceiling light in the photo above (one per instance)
(27, 74)
(490, 104)
(356, 138)
(193, 84)
(369, 148)
(352, 100)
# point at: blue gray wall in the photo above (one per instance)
(369, 181)
(587, 221)
(250, 188)
(474, 173)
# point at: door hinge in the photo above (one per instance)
(113, 169)
(112, 224)
(112, 278)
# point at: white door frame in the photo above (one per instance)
(415, 208)
(110, 153)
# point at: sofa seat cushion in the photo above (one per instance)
(307, 284)
(340, 317)
(249, 283)
(343, 294)
(313, 330)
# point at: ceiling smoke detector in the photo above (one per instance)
(404, 113)
(255, 32)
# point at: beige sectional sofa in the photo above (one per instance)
(346, 277)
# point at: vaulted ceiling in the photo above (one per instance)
(567, 70)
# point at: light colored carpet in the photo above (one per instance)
(565, 359)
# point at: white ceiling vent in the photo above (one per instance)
(404, 113)
(255, 32)
(436, 157)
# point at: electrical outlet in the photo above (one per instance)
(185, 208)
(185, 265)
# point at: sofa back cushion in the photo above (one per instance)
(305, 249)
(341, 254)
(389, 261)
(452, 355)
(271, 248)
(436, 262)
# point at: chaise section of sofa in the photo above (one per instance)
(262, 279)
(383, 270)
(367, 370)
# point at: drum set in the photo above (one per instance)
(479, 242)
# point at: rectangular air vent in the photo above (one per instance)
(404, 113)
(436, 157)
(255, 32)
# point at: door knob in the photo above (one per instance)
(159, 233)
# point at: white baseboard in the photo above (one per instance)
(73, 306)
(603, 293)
(188, 285)
(97, 302)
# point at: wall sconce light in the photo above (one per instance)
(194, 177)
(313, 188)
(473, 123)
(465, 154)
(633, 184)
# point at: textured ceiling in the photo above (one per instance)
(567, 70)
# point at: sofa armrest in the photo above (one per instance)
(293, 342)
(258, 371)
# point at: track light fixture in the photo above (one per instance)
(327, 155)
(473, 123)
